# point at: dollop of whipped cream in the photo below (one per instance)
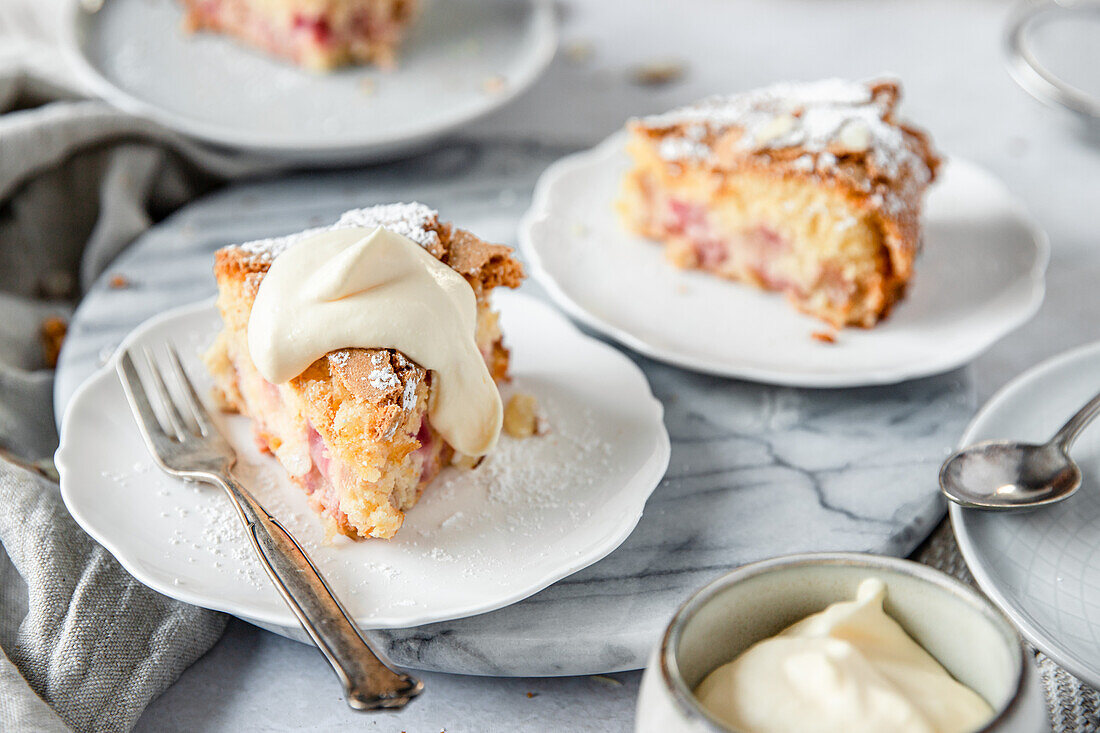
(851, 669)
(375, 289)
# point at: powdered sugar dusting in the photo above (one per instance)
(408, 399)
(268, 249)
(221, 544)
(413, 220)
(814, 116)
(529, 481)
(681, 148)
(383, 379)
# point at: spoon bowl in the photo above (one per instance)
(1006, 476)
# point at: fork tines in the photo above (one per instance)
(163, 413)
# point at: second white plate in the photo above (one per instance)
(462, 59)
(535, 511)
(1042, 567)
(979, 277)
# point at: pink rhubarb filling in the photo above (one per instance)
(754, 250)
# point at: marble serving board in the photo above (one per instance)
(756, 471)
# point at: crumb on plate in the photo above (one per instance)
(462, 460)
(494, 84)
(521, 416)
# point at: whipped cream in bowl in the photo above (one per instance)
(838, 642)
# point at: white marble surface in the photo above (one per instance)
(755, 471)
(947, 52)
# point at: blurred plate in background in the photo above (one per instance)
(1053, 54)
(462, 59)
(1042, 567)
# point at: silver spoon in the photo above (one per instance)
(1005, 475)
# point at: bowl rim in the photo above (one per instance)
(685, 700)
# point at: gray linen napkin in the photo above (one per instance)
(82, 644)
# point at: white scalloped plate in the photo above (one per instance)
(1042, 567)
(980, 276)
(534, 512)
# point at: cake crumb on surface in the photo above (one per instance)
(521, 416)
(52, 333)
(118, 282)
(825, 337)
(658, 72)
(579, 52)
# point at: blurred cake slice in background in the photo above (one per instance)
(813, 190)
(317, 34)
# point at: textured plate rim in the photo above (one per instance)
(649, 473)
(540, 210)
(1033, 632)
(542, 21)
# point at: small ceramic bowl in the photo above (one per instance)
(958, 627)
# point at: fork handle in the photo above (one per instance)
(369, 683)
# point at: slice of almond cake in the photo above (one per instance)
(813, 190)
(355, 427)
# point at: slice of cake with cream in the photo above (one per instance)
(366, 355)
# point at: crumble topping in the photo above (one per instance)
(378, 375)
(384, 378)
(681, 148)
(413, 220)
(484, 265)
(821, 118)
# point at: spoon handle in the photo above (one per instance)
(1064, 438)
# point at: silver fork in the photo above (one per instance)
(186, 443)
